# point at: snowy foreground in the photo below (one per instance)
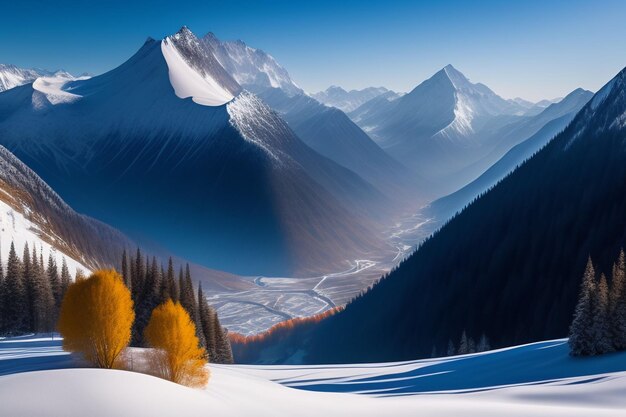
(532, 380)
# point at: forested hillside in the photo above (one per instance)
(509, 266)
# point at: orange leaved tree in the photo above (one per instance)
(96, 318)
(176, 354)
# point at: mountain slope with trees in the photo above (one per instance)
(509, 265)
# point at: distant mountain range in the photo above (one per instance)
(509, 266)
(551, 121)
(447, 129)
(348, 101)
(172, 131)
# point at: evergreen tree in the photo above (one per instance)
(55, 281)
(601, 324)
(148, 300)
(463, 344)
(223, 348)
(164, 290)
(617, 303)
(471, 345)
(206, 324)
(138, 276)
(14, 308)
(43, 299)
(451, 349)
(187, 297)
(29, 286)
(125, 270)
(171, 281)
(65, 278)
(581, 337)
(483, 344)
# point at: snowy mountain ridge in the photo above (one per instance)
(12, 76)
(348, 101)
(250, 66)
(172, 118)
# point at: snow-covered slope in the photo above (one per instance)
(330, 132)
(32, 213)
(326, 130)
(448, 129)
(12, 76)
(534, 380)
(252, 68)
(540, 130)
(348, 101)
(171, 130)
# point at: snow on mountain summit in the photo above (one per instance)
(348, 101)
(12, 76)
(195, 72)
(251, 67)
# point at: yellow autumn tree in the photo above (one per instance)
(176, 354)
(96, 318)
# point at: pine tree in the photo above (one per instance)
(125, 270)
(138, 276)
(65, 278)
(451, 349)
(14, 308)
(43, 299)
(164, 290)
(206, 323)
(29, 286)
(55, 281)
(600, 323)
(223, 347)
(483, 344)
(581, 335)
(187, 297)
(463, 344)
(171, 281)
(471, 345)
(617, 303)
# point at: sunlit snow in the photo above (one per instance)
(187, 82)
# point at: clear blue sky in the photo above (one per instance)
(533, 49)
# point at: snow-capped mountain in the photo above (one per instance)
(371, 107)
(330, 132)
(168, 147)
(251, 67)
(12, 76)
(444, 128)
(551, 121)
(326, 130)
(348, 101)
(510, 264)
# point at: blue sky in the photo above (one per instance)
(533, 49)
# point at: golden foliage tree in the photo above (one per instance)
(177, 355)
(96, 318)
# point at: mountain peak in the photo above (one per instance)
(185, 33)
(210, 37)
(456, 77)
